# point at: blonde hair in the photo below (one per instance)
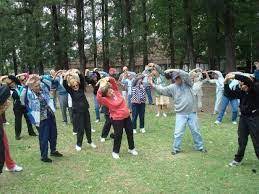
(72, 78)
(72, 82)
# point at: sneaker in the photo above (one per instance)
(102, 139)
(112, 135)
(97, 120)
(115, 155)
(203, 150)
(47, 160)
(74, 133)
(18, 138)
(93, 130)
(6, 123)
(16, 168)
(175, 152)
(134, 131)
(217, 122)
(33, 134)
(92, 145)
(133, 152)
(143, 130)
(78, 148)
(165, 115)
(234, 123)
(158, 115)
(56, 154)
(234, 163)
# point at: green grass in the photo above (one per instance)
(155, 170)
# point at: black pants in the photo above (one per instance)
(118, 131)
(138, 110)
(247, 126)
(107, 126)
(82, 124)
(2, 151)
(18, 122)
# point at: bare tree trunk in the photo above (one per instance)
(65, 60)
(145, 33)
(189, 34)
(122, 34)
(106, 29)
(80, 33)
(171, 33)
(128, 9)
(14, 61)
(229, 36)
(94, 44)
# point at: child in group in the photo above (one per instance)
(110, 96)
(5, 157)
(138, 101)
(74, 83)
(41, 110)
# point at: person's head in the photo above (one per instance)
(125, 69)
(176, 79)
(74, 84)
(244, 86)
(215, 76)
(52, 72)
(107, 91)
(257, 64)
(35, 86)
(4, 102)
(22, 78)
(10, 83)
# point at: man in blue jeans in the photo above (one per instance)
(185, 107)
(226, 99)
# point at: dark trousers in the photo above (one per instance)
(138, 110)
(2, 149)
(4, 118)
(107, 126)
(48, 133)
(247, 126)
(149, 95)
(118, 126)
(82, 124)
(18, 122)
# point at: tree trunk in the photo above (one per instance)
(66, 37)
(56, 36)
(128, 9)
(80, 33)
(145, 33)
(229, 36)
(94, 44)
(15, 67)
(122, 35)
(171, 33)
(189, 34)
(106, 42)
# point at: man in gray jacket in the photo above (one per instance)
(185, 107)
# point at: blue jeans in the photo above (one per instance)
(48, 133)
(129, 101)
(224, 104)
(138, 110)
(97, 108)
(149, 95)
(180, 125)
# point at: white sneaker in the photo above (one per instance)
(16, 168)
(134, 131)
(74, 133)
(6, 123)
(97, 121)
(217, 122)
(133, 152)
(143, 130)
(102, 139)
(93, 130)
(158, 115)
(234, 123)
(92, 145)
(78, 148)
(165, 115)
(115, 155)
(234, 163)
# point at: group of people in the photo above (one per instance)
(123, 100)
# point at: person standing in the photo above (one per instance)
(185, 107)
(74, 83)
(148, 88)
(5, 156)
(18, 109)
(41, 110)
(248, 93)
(110, 96)
(138, 101)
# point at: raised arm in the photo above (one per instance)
(113, 83)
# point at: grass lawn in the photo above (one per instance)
(155, 170)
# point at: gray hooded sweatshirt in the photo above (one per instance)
(185, 101)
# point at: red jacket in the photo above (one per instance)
(116, 105)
